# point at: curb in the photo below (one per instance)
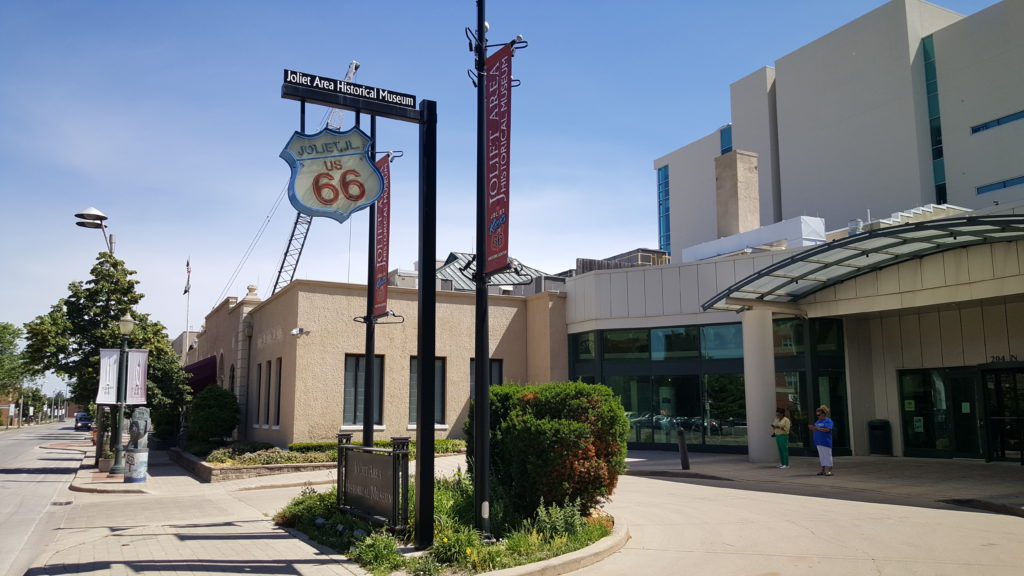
(676, 474)
(574, 560)
(325, 551)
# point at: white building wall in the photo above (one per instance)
(852, 114)
(754, 130)
(980, 71)
(691, 173)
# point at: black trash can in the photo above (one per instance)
(880, 437)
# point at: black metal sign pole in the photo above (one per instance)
(481, 387)
(426, 338)
(368, 363)
(299, 87)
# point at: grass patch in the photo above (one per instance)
(458, 547)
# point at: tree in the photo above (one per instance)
(67, 340)
(12, 369)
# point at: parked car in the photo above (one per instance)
(83, 421)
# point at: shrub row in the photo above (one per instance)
(441, 446)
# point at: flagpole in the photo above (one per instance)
(188, 300)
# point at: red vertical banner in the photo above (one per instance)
(383, 241)
(499, 125)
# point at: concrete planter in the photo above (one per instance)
(206, 473)
(104, 464)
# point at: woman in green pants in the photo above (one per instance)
(780, 431)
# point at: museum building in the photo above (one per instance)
(910, 327)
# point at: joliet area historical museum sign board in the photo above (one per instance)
(369, 479)
(349, 89)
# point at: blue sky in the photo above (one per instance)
(167, 116)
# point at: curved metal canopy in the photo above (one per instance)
(819, 267)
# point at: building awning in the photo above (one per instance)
(202, 374)
(819, 267)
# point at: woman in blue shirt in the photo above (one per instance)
(823, 439)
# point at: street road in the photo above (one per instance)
(33, 490)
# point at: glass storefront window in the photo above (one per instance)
(627, 345)
(725, 410)
(584, 346)
(671, 343)
(721, 341)
(787, 397)
(828, 336)
(788, 335)
(637, 399)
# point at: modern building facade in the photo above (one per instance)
(908, 105)
(906, 326)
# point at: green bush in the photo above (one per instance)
(554, 442)
(378, 553)
(441, 446)
(268, 456)
(214, 415)
(560, 521)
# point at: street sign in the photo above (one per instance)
(332, 173)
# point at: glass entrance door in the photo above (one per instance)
(1004, 407)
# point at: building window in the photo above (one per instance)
(355, 386)
(439, 389)
(721, 341)
(259, 392)
(231, 379)
(725, 138)
(496, 374)
(1000, 185)
(934, 122)
(277, 395)
(627, 345)
(997, 122)
(664, 228)
(266, 400)
(672, 343)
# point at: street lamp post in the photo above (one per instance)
(126, 324)
(93, 218)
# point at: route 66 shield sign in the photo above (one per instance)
(332, 173)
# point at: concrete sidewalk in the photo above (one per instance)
(174, 523)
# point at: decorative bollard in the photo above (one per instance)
(136, 463)
(684, 453)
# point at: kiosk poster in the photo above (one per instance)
(499, 120)
(332, 173)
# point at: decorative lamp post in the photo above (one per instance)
(93, 218)
(126, 324)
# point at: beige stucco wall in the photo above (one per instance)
(527, 334)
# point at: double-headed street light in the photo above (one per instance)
(93, 218)
(126, 324)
